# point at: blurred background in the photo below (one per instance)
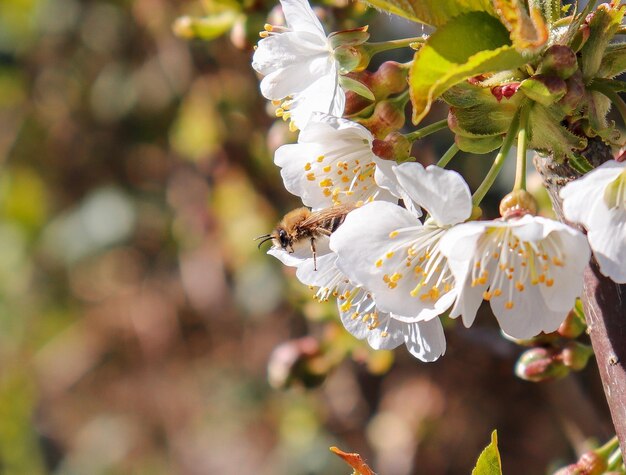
(138, 320)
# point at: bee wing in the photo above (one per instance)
(328, 219)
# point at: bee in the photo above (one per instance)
(302, 224)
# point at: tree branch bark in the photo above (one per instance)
(604, 301)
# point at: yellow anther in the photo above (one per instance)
(542, 278)
(279, 112)
(395, 277)
(508, 305)
(268, 27)
(307, 167)
(393, 234)
(487, 295)
(326, 182)
(327, 192)
(292, 127)
(386, 278)
(379, 263)
(519, 286)
(384, 334)
(497, 292)
(264, 34)
(389, 255)
(326, 169)
(310, 176)
(549, 282)
(345, 179)
(392, 285)
(320, 159)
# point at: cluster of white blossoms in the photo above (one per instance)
(393, 271)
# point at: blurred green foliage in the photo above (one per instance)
(137, 317)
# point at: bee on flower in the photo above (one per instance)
(388, 250)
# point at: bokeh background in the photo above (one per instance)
(138, 320)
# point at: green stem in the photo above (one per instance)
(520, 170)
(373, 48)
(401, 98)
(615, 460)
(608, 448)
(493, 172)
(429, 129)
(449, 155)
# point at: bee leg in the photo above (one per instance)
(314, 254)
(291, 251)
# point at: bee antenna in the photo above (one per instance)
(265, 238)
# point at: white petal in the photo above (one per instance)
(581, 196)
(608, 241)
(529, 315)
(373, 247)
(443, 193)
(323, 95)
(294, 75)
(425, 340)
(300, 16)
(387, 179)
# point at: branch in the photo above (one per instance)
(604, 300)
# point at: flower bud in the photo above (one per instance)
(576, 355)
(573, 326)
(574, 95)
(571, 469)
(388, 116)
(591, 463)
(545, 90)
(558, 60)
(518, 203)
(389, 79)
(540, 364)
(356, 104)
(395, 147)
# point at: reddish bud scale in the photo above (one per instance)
(505, 91)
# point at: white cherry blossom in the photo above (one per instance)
(386, 249)
(358, 312)
(598, 201)
(332, 164)
(299, 66)
(529, 269)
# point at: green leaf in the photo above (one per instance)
(550, 9)
(471, 44)
(545, 133)
(356, 86)
(529, 31)
(489, 461)
(603, 25)
(432, 12)
(479, 145)
(614, 61)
